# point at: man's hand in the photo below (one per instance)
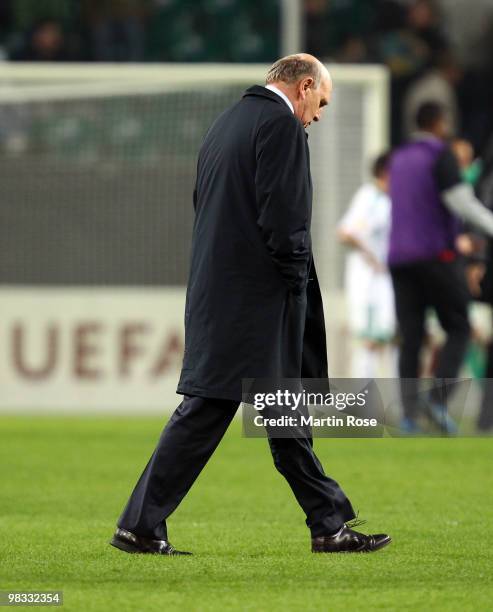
(474, 276)
(354, 242)
(469, 244)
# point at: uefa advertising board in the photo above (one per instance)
(90, 348)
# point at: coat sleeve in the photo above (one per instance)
(283, 197)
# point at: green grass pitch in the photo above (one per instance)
(64, 481)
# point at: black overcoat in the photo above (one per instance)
(253, 306)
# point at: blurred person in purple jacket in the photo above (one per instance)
(429, 197)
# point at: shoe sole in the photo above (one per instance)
(129, 548)
(379, 546)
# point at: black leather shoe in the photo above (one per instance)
(347, 540)
(131, 543)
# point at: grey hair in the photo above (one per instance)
(292, 68)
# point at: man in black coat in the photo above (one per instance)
(253, 307)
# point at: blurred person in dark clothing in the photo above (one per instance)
(438, 84)
(470, 242)
(423, 19)
(5, 21)
(316, 15)
(45, 43)
(485, 190)
(428, 199)
(353, 50)
(116, 29)
(409, 38)
(480, 269)
(339, 29)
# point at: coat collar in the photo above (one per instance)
(282, 95)
(263, 92)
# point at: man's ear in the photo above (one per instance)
(305, 85)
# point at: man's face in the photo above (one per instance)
(48, 38)
(315, 100)
(445, 127)
(383, 181)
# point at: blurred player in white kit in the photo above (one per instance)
(370, 298)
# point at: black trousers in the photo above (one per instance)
(186, 444)
(417, 287)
